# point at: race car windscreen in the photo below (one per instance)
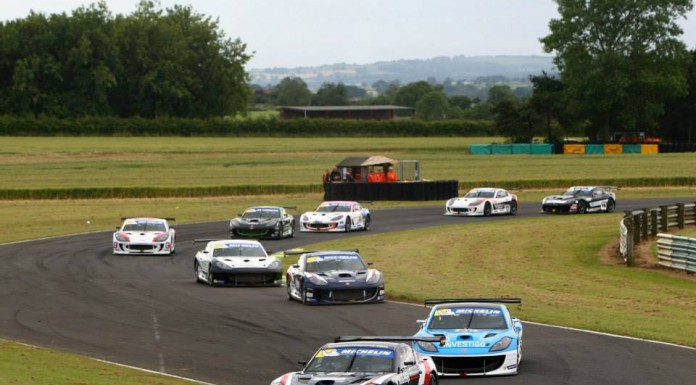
(238, 250)
(578, 192)
(467, 318)
(352, 359)
(144, 226)
(479, 194)
(261, 214)
(334, 208)
(334, 262)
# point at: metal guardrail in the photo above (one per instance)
(641, 225)
(677, 252)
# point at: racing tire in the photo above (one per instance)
(513, 208)
(487, 209)
(292, 230)
(197, 271)
(433, 380)
(611, 205)
(367, 223)
(209, 277)
(582, 207)
(348, 225)
(287, 285)
(303, 295)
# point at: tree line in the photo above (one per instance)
(621, 67)
(151, 63)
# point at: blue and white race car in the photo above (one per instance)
(334, 277)
(481, 337)
(336, 216)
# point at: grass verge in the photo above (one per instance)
(27, 365)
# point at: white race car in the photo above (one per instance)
(148, 236)
(236, 262)
(483, 201)
(336, 216)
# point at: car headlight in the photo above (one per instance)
(336, 218)
(374, 276)
(221, 265)
(274, 265)
(543, 201)
(427, 346)
(317, 280)
(304, 218)
(121, 237)
(503, 344)
(160, 237)
(450, 202)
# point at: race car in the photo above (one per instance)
(263, 222)
(333, 277)
(336, 216)
(145, 236)
(365, 360)
(236, 262)
(483, 201)
(481, 337)
(581, 199)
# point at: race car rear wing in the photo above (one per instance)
(298, 252)
(440, 340)
(165, 218)
(429, 302)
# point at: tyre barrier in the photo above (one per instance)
(399, 191)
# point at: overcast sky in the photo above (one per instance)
(292, 33)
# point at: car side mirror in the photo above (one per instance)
(303, 363)
(204, 251)
(408, 363)
(370, 264)
(295, 266)
(421, 323)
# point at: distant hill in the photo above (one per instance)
(457, 68)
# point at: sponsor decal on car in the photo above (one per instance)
(467, 311)
(372, 352)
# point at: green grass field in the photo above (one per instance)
(553, 263)
(60, 162)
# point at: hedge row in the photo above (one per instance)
(111, 126)
(176, 192)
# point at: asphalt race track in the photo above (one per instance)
(71, 294)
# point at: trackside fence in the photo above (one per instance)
(642, 225)
(677, 252)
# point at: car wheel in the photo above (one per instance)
(582, 207)
(209, 276)
(487, 209)
(348, 225)
(433, 379)
(367, 223)
(197, 271)
(292, 230)
(513, 208)
(611, 205)
(303, 294)
(287, 284)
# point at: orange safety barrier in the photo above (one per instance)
(613, 148)
(573, 149)
(649, 149)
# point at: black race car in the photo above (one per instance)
(334, 277)
(581, 199)
(263, 222)
(366, 360)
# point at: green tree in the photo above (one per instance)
(549, 101)
(620, 59)
(411, 93)
(331, 94)
(292, 92)
(432, 106)
(679, 122)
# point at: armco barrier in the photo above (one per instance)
(677, 252)
(641, 225)
(399, 191)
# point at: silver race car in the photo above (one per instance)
(236, 262)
